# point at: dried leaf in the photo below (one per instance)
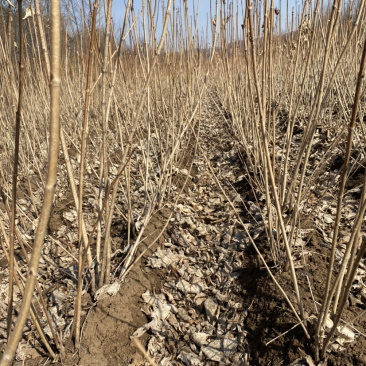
(28, 13)
(189, 358)
(188, 288)
(345, 335)
(110, 290)
(199, 338)
(210, 306)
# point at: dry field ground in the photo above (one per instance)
(165, 202)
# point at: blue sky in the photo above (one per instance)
(119, 7)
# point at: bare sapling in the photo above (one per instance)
(15, 170)
(353, 264)
(50, 182)
(76, 325)
(270, 171)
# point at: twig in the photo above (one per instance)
(143, 351)
(289, 330)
